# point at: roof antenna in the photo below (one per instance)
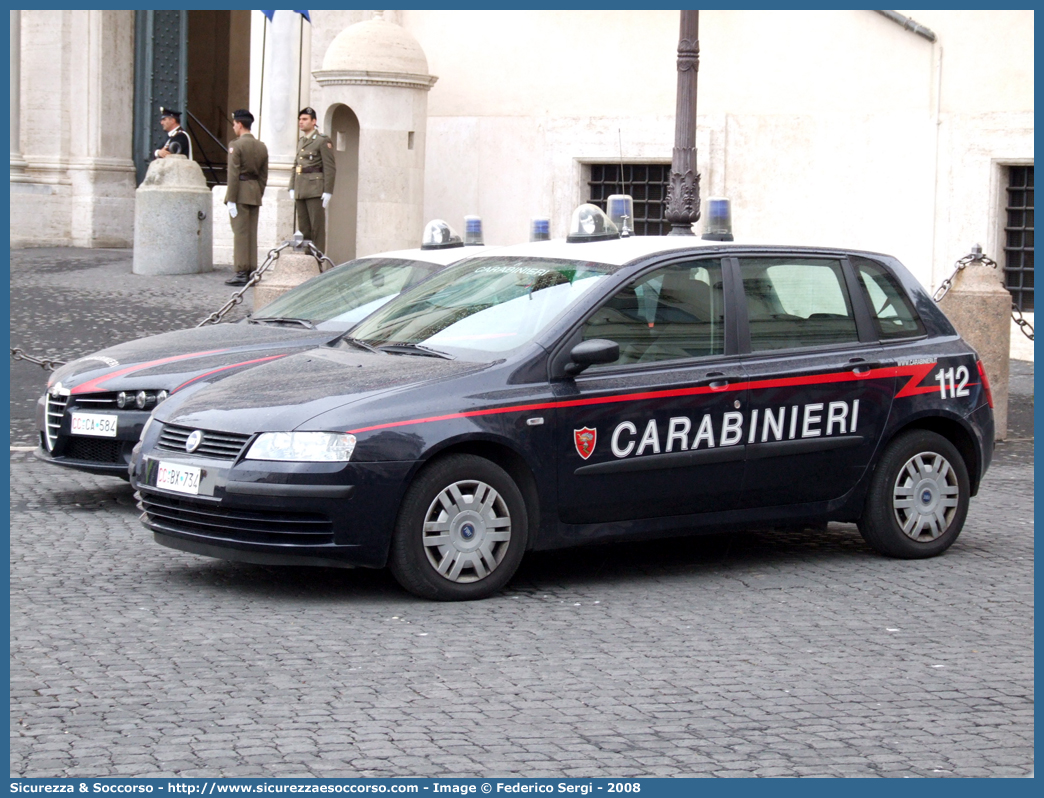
(623, 186)
(620, 207)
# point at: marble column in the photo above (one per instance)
(100, 167)
(275, 94)
(276, 123)
(18, 163)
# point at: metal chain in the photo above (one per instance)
(319, 256)
(976, 256)
(237, 297)
(1016, 316)
(49, 365)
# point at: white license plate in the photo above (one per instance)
(183, 479)
(93, 424)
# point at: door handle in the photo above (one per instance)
(717, 384)
(861, 366)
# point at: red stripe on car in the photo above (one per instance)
(93, 385)
(916, 374)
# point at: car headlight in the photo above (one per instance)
(309, 447)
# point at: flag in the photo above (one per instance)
(271, 14)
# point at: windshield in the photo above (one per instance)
(484, 307)
(343, 296)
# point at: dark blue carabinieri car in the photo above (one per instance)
(561, 393)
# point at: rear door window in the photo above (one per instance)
(796, 302)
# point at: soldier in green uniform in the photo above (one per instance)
(312, 182)
(247, 178)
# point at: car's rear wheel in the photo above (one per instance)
(918, 497)
(461, 531)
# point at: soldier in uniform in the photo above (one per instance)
(177, 139)
(312, 182)
(247, 178)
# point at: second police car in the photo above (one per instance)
(560, 393)
(94, 408)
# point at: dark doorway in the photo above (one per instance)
(199, 63)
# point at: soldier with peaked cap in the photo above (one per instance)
(312, 181)
(177, 139)
(247, 178)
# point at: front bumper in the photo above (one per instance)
(117, 468)
(335, 514)
(91, 453)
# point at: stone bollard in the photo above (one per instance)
(172, 225)
(980, 308)
(290, 269)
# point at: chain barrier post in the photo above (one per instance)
(979, 306)
(237, 297)
(294, 267)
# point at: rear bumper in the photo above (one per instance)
(982, 424)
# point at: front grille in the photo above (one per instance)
(97, 401)
(94, 449)
(54, 407)
(222, 445)
(192, 517)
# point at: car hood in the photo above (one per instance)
(284, 394)
(170, 360)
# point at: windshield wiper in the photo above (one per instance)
(358, 344)
(415, 349)
(281, 320)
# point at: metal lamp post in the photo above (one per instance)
(683, 192)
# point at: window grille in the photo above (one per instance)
(647, 185)
(1018, 237)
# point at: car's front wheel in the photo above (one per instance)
(461, 531)
(918, 497)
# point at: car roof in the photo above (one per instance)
(621, 251)
(440, 257)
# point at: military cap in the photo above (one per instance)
(307, 110)
(170, 112)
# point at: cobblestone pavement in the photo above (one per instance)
(754, 654)
(757, 654)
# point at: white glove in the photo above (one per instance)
(326, 199)
(291, 193)
(232, 209)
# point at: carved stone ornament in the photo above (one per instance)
(688, 55)
(683, 199)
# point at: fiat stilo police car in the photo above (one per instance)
(565, 392)
(94, 408)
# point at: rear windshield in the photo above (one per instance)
(484, 307)
(347, 294)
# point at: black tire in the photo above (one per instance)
(929, 470)
(481, 547)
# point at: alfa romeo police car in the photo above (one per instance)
(566, 392)
(94, 408)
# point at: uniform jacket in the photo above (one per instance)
(314, 152)
(247, 170)
(178, 142)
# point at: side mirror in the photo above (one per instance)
(590, 353)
